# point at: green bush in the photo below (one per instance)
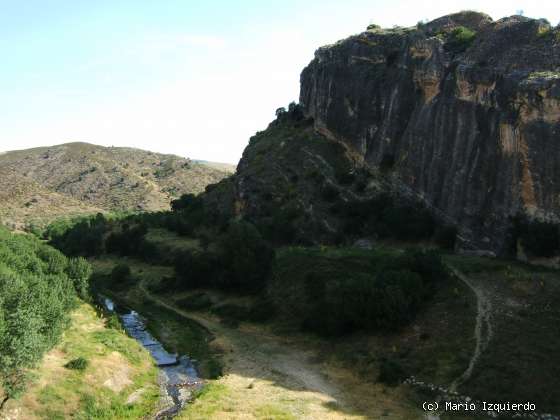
(113, 322)
(198, 269)
(540, 239)
(446, 237)
(77, 364)
(247, 257)
(36, 296)
(121, 274)
(329, 192)
(347, 290)
(460, 39)
(79, 271)
(391, 372)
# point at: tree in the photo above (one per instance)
(121, 273)
(79, 271)
(247, 257)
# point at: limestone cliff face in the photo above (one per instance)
(474, 130)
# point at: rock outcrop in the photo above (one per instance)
(466, 110)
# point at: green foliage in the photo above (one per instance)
(240, 260)
(77, 364)
(36, 294)
(198, 269)
(293, 114)
(83, 236)
(337, 292)
(247, 257)
(121, 274)
(383, 217)
(446, 236)
(329, 192)
(460, 39)
(391, 372)
(540, 239)
(79, 271)
(129, 240)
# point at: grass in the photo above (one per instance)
(101, 389)
(522, 361)
(544, 75)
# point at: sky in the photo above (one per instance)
(193, 78)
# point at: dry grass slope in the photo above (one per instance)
(75, 178)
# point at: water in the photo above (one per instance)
(178, 375)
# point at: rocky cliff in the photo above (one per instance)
(464, 109)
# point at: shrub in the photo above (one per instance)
(391, 372)
(121, 273)
(383, 295)
(408, 222)
(35, 298)
(460, 39)
(387, 162)
(345, 178)
(540, 239)
(329, 192)
(79, 271)
(198, 269)
(113, 322)
(77, 364)
(446, 236)
(246, 256)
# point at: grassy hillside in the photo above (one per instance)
(75, 178)
(119, 381)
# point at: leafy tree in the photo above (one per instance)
(36, 295)
(79, 271)
(121, 273)
(247, 257)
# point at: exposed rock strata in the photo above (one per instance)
(475, 133)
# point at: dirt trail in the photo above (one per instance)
(483, 327)
(282, 371)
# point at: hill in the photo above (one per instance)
(460, 114)
(75, 178)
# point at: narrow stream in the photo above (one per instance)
(178, 376)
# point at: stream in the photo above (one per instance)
(178, 377)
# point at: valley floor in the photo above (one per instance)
(273, 372)
(269, 377)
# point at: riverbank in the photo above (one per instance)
(118, 381)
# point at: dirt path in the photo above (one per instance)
(483, 327)
(278, 373)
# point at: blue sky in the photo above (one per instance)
(194, 78)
